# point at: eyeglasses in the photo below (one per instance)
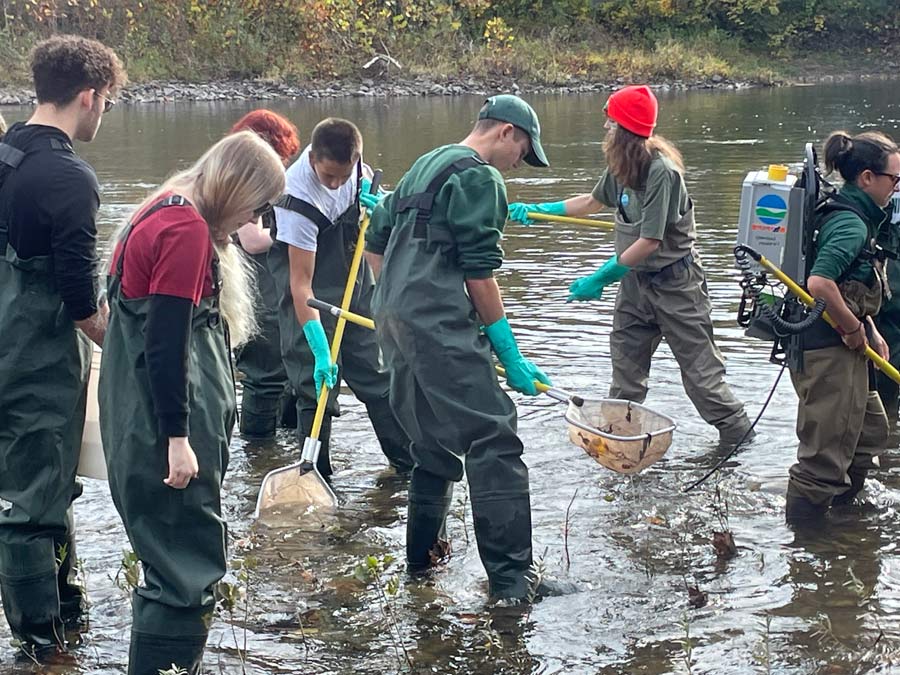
(262, 210)
(895, 177)
(108, 103)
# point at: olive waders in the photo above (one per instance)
(44, 368)
(266, 390)
(359, 362)
(445, 391)
(841, 422)
(671, 302)
(178, 535)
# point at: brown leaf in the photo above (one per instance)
(696, 597)
(724, 544)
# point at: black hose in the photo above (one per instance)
(784, 327)
(737, 445)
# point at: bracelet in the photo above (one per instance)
(844, 333)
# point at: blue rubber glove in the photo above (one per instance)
(326, 372)
(520, 372)
(518, 212)
(591, 287)
(366, 198)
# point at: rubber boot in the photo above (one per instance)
(426, 524)
(857, 482)
(736, 431)
(259, 418)
(149, 654)
(28, 586)
(503, 532)
(800, 511)
(287, 418)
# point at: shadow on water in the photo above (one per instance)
(826, 601)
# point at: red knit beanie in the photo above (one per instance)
(634, 108)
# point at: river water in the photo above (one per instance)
(785, 604)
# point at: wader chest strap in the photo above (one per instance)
(423, 201)
(305, 209)
(10, 159)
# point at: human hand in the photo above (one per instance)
(182, 463)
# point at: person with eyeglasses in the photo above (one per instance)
(49, 314)
(316, 228)
(181, 295)
(662, 291)
(841, 422)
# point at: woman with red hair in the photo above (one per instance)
(663, 290)
(267, 391)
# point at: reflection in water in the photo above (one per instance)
(633, 545)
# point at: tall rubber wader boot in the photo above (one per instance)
(426, 523)
(44, 367)
(673, 303)
(265, 377)
(179, 536)
(445, 392)
(359, 361)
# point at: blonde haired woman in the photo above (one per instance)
(177, 290)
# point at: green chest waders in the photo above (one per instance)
(178, 535)
(265, 381)
(44, 366)
(445, 392)
(359, 360)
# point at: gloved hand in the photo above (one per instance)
(366, 198)
(520, 372)
(591, 287)
(518, 212)
(326, 372)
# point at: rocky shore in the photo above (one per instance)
(260, 90)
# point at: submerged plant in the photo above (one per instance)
(687, 644)
(371, 572)
(491, 641)
(128, 576)
(229, 595)
(762, 654)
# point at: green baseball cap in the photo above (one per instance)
(512, 109)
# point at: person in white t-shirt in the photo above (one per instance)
(317, 224)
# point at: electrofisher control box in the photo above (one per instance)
(771, 218)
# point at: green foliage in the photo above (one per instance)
(542, 40)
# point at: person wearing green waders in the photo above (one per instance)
(266, 390)
(317, 226)
(49, 314)
(663, 291)
(841, 422)
(179, 292)
(434, 244)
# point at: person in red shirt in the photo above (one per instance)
(179, 293)
(266, 390)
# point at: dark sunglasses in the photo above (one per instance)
(262, 210)
(108, 103)
(894, 176)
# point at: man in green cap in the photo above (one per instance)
(434, 243)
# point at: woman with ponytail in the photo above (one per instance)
(663, 291)
(179, 292)
(841, 423)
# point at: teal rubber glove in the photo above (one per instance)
(591, 287)
(518, 212)
(325, 372)
(520, 372)
(366, 198)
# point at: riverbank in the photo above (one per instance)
(171, 91)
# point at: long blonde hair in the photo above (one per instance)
(239, 173)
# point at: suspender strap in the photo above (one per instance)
(173, 200)
(423, 201)
(305, 209)
(10, 156)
